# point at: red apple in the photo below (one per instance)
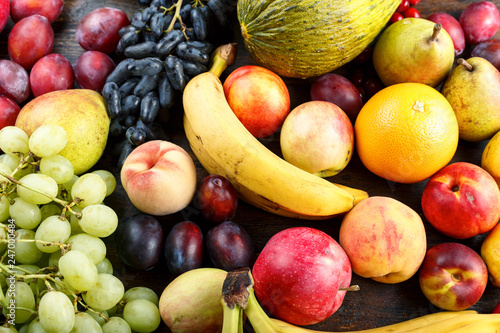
(452, 27)
(453, 276)
(461, 200)
(480, 21)
(299, 275)
(8, 112)
(318, 137)
(4, 13)
(259, 98)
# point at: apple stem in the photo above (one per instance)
(463, 62)
(435, 32)
(350, 288)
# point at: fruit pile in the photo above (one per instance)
(55, 262)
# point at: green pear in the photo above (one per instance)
(473, 91)
(81, 112)
(413, 50)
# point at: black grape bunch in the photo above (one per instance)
(167, 43)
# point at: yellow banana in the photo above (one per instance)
(224, 146)
(467, 321)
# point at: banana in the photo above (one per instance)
(466, 321)
(224, 146)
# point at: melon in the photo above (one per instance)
(308, 38)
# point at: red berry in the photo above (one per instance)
(403, 6)
(411, 12)
(396, 17)
(414, 2)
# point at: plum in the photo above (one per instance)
(51, 9)
(452, 27)
(489, 50)
(14, 81)
(480, 21)
(92, 68)
(51, 72)
(217, 199)
(184, 247)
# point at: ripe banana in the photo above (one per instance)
(224, 146)
(467, 321)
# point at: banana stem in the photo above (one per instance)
(223, 57)
(232, 318)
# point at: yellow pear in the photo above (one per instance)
(413, 50)
(81, 112)
(473, 92)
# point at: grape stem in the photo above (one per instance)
(177, 16)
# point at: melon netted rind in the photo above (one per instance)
(307, 38)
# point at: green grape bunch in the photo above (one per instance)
(54, 273)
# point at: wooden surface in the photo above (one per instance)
(376, 304)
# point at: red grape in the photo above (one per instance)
(230, 246)
(489, 50)
(92, 68)
(52, 72)
(184, 247)
(480, 21)
(217, 199)
(452, 27)
(339, 90)
(139, 241)
(98, 30)
(51, 9)
(8, 112)
(14, 81)
(30, 39)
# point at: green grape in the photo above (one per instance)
(10, 329)
(5, 169)
(99, 220)
(26, 252)
(108, 178)
(3, 281)
(36, 285)
(24, 328)
(141, 293)
(107, 292)
(54, 258)
(4, 208)
(116, 325)
(78, 271)
(14, 140)
(49, 210)
(92, 246)
(56, 312)
(11, 161)
(53, 229)
(3, 237)
(105, 266)
(58, 167)
(65, 189)
(90, 188)
(41, 183)
(98, 316)
(36, 327)
(74, 221)
(27, 168)
(85, 323)
(21, 294)
(112, 311)
(26, 215)
(48, 140)
(142, 315)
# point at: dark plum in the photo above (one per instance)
(25, 46)
(184, 247)
(14, 81)
(489, 50)
(92, 68)
(339, 90)
(217, 199)
(229, 246)
(98, 30)
(139, 241)
(51, 72)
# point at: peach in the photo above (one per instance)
(384, 239)
(159, 177)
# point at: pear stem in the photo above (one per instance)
(463, 62)
(354, 287)
(435, 32)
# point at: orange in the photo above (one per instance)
(406, 132)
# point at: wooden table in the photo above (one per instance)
(376, 304)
